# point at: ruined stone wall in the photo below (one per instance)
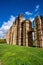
(38, 25)
(41, 25)
(16, 29)
(28, 33)
(20, 32)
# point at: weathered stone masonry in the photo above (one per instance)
(38, 31)
(20, 32)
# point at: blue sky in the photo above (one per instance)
(9, 10)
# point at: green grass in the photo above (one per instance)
(20, 55)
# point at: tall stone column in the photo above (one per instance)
(11, 35)
(23, 33)
(17, 31)
(38, 25)
(8, 36)
(14, 35)
(28, 33)
(20, 19)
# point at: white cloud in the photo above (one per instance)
(28, 13)
(31, 19)
(5, 26)
(37, 7)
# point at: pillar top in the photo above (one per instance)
(20, 15)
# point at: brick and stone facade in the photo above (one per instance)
(20, 32)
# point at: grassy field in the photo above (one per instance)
(20, 55)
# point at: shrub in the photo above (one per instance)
(2, 40)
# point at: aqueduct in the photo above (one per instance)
(20, 32)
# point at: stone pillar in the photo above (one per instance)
(20, 19)
(10, 35)
(38, 25)
(28, 33)
(23, 33)
(14, 35)
(7, 37)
